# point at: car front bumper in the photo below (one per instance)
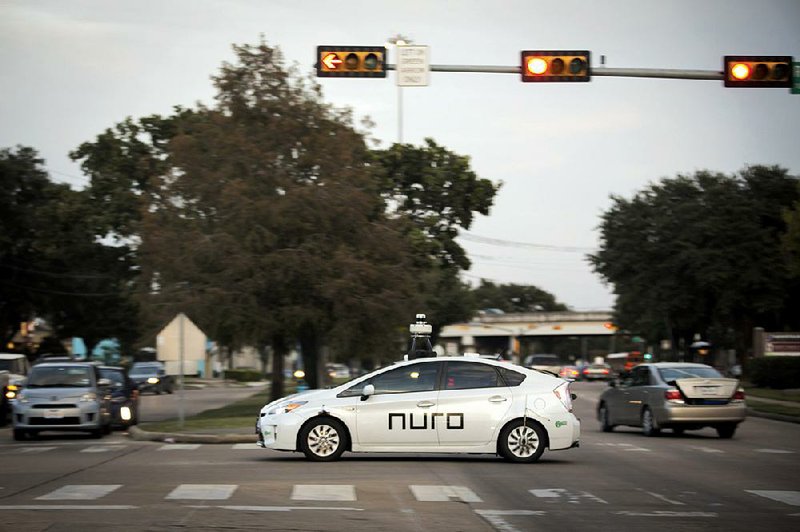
(54, 416)
(279, 431)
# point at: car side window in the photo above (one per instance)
(468, 375)
(641, 376)
(420, 377)
(512, 378)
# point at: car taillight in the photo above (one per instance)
(673, 396)
(605, 372)
(738, 396)
(586, 371)
(563, 394)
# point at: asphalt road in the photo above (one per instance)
(159, 407)
(616, 481)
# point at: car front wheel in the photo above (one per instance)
(323, 440)
(522, 441)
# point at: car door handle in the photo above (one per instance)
(497, 399)
(425, 404)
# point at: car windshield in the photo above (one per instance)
(144, 370)
(113, 375)
(673, 374)
(7, 365)
(60, 377)
(543, 360)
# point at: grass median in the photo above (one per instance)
(759, 400)
(240, 416)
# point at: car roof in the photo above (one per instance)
(64, 363)
(678, 365)
(11, 356)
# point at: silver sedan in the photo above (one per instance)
(678, 396)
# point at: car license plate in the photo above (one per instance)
(54, 414)
(708, 390)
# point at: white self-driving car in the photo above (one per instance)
(445, 404)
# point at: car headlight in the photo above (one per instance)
(87, 397)
(11, 391)
(287, 407)
(152, 380)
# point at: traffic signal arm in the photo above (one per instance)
(351, 61)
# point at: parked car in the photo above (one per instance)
(151, 376)
(63, 396)
(13, 369)
(548, 363)
(444, 404)
(595, 372)
(678, 396)
(124, 397)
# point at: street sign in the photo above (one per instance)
(796, 77)
(413, 66)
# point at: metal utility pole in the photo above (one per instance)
(399, 40)
(181, 344)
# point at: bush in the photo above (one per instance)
(775, 372)
(243, 375)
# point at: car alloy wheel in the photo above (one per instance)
(323, 440)
(522, 441)
(649, 427)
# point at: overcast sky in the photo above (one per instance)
(70, 69)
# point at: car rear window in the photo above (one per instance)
(512, 378)
(672, 374)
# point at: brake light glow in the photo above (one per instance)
(673, 396)
(738, 396)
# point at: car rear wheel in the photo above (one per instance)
(522, 441)
(649, 425)
(678, 431)
(323, 440)
(605, 426)
(726, 431)
(20, 435)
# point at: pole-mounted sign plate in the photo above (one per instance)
(413, 66)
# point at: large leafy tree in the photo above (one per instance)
(514, 298)
(439, 193)
(53, 263)
(700, 254)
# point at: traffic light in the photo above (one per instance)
(351, 62)
(758, 71)
(556, 65)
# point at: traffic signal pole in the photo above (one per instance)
(598, 71)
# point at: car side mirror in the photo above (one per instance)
(368, 390)
(104, 382)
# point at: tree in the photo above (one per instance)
(439, 193)
(53, 264)
(515, 298)
(700, 255)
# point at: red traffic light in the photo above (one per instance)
(555, 65)
(758, 71)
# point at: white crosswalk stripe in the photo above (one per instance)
(444, 493)
(773, 451)
(323, 492)
(179, 447)
(102, 448)
(203, 492)
(34, 450)
(787, 497)
(79, 492)
(560, 495)
(246, 446)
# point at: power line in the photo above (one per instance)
(511, 243)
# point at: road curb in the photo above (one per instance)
(775, 417)
(138, 434)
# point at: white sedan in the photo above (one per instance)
(445, 404)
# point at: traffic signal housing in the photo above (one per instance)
(351, 61)
(758, 71)
(556, 65)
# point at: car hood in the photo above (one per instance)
(60, 394)
(308, 395)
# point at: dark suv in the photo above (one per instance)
(151, 376)
(124, 397)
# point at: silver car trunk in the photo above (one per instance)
(705, 388)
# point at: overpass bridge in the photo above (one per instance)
(571, 335)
